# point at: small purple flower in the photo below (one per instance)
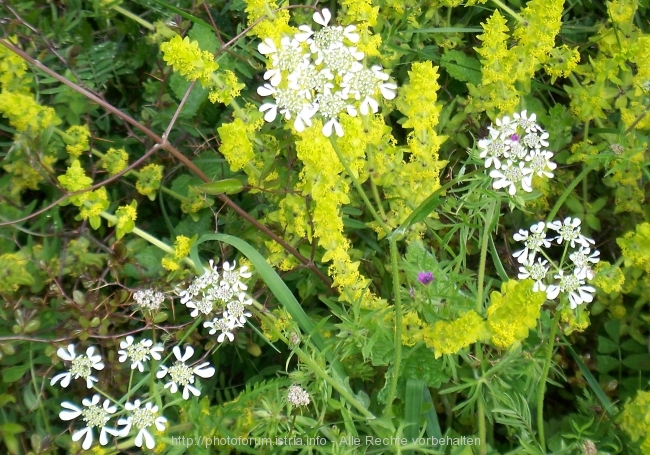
(514, 137)
(425, 277)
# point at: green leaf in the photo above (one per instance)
(462, 67)
(227, 186)
(613, 329)
(606, 363)
(433, 425)
(606, 346)
(422, 364)
(413, 409)
(11, 428)
(205, 36)
(179, 86)
(13, 374)
(638, 362)
(633, 346)
(148, 260)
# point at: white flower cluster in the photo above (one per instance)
(219, 294)
(96, 417)
(516, 150)
(149, 300)
(321, 73)
(139, 417)
(297, 396)
(570, 280)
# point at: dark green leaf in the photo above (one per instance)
(13, 374)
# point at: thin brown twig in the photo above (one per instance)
(163, 143)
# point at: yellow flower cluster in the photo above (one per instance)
(187, 58)
(115, 160)
(225, 88)
(14, 272)
(75, 179)
(513, 312)
(78, 136)
(126, 216)
(182, 247)
(417, 179)
(149, 180)
(94, 203)
(450, 337)
(275, 25)
(321, 179)
(506, 71)
(635, 420)
(609, 279)
(411, 329)
(25, 114)
(91, 203)
(13, 70)
(635, 247)
(24, 173)
(237, 145)
(362, 14)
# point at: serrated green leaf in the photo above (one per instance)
(196, 98)
(462, 67)
(205, 36)
(606, 346)
(422, 364)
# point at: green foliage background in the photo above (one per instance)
(65, 279)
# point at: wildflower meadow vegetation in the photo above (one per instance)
(360, 226)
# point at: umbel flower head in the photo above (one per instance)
(297, 396)
(81, 366)
(139, 352)
(94, 416)
(569, 278)
(320, 73)
(220, 296)
(515, 149)
(142, 418)
(180, 374)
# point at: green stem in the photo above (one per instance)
(479, 309)
(135, 17)
(569, 190)
(398, 327)
(148, 237)
(542, 382)
(483, 258)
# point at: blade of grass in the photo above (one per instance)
(593, 383)
(444, 30)
(413, 410)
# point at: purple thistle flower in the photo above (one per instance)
(425, 277)
(514, 137)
